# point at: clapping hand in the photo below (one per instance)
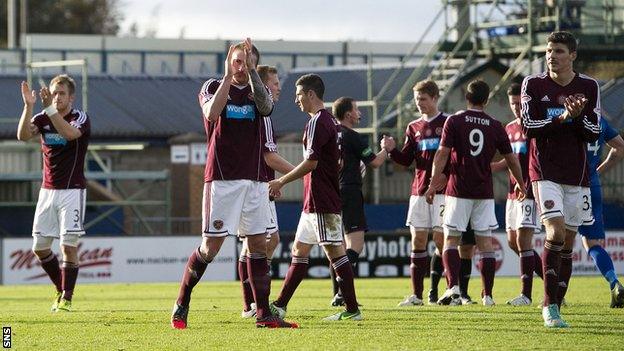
(29, 96)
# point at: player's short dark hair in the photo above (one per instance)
(341, 106)
(65, 80)
(514, 89)
(565, 38)
(428, 87)
(264, 71)
(477, 92)
(312, 82)
(254, 50)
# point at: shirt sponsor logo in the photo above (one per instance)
(54, 139)
(554, 112)
(240, 112)
(519, 147)
(429, 144)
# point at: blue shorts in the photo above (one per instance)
(596, 230)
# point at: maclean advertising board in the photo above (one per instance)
(103, 260)
(162, 259)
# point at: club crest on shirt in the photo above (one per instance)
(250, 96)
(218, 224)
(549, 204)
(438, 131)
(561, 99)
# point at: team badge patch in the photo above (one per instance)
(218, 224)
(549, 204)
(439, 131)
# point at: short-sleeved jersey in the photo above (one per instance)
(321, 192)
(422, 139)
(558, 151)
(594, 150)
(520, 147)
(63, 160)
(235, 141)
(473, 137)
(354, 149)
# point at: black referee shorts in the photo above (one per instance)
(353, 216)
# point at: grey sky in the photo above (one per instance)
(379, 20)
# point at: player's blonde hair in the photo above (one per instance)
(65, 80)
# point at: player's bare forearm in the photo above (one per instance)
(65, 129)
(305, 167)
(379, 159)
(262, 98)
(439, 162)
(499, 165)
(212, 109)
(278, 163)
(616, 154)
(513, 164)
(24, 127)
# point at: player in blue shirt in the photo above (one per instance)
(593, 235)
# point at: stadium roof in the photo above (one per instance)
(161, 107)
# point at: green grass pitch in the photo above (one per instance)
(136, 317)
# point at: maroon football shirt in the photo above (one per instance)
(235, 141)
(321, 192)
(473, 137)
(520, 147)
(63, 161)
(422, 139)
(558, 151)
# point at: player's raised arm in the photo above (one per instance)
(261, 95)
(534, 124)
(25, 129)
(216, 103)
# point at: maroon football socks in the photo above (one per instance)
(50, 265)
(296, 272)
(551, 266)
(195, 268)
(527, 267)
(418, 270)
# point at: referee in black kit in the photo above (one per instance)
(356, 154)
